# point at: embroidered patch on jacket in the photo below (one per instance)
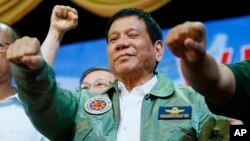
(97, 105)
(175, 112)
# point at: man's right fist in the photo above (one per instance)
(25, 52)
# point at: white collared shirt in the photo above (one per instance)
(15, 124)
(130, 110)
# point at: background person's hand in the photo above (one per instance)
(233, 121)
(63, 18)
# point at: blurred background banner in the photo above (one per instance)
(228, 42)
(12, 11)
(112, 6)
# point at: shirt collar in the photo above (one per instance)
(149, 85)
(11, 98)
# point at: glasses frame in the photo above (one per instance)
(95, 84)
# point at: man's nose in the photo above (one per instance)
(123, 43)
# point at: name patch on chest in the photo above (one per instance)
(97, 105)
(175, 112)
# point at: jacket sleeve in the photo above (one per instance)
(51, 109)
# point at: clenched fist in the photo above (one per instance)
(187, 41)
(63, 18)
(26, 52)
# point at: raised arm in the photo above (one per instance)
(215, 81)
(51, 109)
(63, 19)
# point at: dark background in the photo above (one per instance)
(91, 26)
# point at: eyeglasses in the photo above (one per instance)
(3, 47)
(99, 83)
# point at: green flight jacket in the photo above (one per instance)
(61, 115)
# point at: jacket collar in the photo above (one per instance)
(163, 88)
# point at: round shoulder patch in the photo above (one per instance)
(97, 105)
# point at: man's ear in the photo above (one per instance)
(159, 49)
